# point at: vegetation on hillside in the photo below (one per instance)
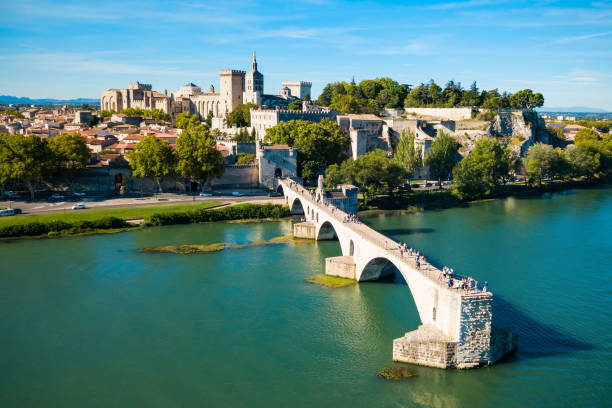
(319, 144)
(373, 95)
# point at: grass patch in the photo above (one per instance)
(125, 213)
(330, 281)
(219, 246)
(395, 373)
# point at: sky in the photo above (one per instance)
(69, 49)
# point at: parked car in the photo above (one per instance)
(7, 212)
(237, 194)
(274, 194)
(79, 206)
(17, 210)
(427, 184)
(10, 194)
(79, 194)
(57, 196)
(415, 185)
(203, 194)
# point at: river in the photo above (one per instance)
(91, 322)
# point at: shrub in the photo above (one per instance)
(53, 228)
(236, 212)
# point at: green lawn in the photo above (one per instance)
(133, 212)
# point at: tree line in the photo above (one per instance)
(479, 174)
(373, 95)
(195, 157)
(30, 160)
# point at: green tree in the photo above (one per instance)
(244, 137)
(526, 99)
(209, 119)
(186, 121)
(372, 172)
(581, 162)
(153, 158)
(244, 158)
(318, 144)
(596, 144)
(482, 170)
(198, 159)
(104, 114)
(241, 115)
(68, 154)
(25, 159)
(407, 155)
(295, 105)
(441, 156)
(345, 104)
(157, 114)
(14, 113)
(542, 161)
(134, 112)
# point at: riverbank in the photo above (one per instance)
(52, 226)
(417, 201)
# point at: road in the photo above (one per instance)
(59, 205)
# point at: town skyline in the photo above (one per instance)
(561, 49)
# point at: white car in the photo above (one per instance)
(57, 196)
(237, 194)
(202, 194)
(79, 194)
(79, 206)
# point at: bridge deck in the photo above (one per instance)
(385, 244)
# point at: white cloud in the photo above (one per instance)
(583, 37)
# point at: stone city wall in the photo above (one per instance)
(442, 113)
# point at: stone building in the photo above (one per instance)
(262, 119)
(275, 161)
(366, 131)
(137, 95)
(298, 89)
(235, 87)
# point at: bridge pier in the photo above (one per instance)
(342, 266)
(306, 230)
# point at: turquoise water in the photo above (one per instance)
(91, 322)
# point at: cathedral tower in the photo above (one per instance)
(254, 84)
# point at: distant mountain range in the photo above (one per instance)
(572, 109)
(4, 99)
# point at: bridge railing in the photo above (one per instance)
(388, 245)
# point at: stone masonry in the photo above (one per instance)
(456, 328)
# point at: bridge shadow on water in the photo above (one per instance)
(390, 232)
(536, 339)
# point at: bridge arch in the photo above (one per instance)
(326, 231)
(296, 207)
(280, 189)
(377, 268)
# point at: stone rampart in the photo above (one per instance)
(442, 113)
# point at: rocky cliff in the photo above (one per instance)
(517, 130)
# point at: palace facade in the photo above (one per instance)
(235, 87)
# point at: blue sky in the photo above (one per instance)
(67, 49)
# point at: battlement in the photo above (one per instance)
(138, 85)
(291, 112)
(232, 72)
(297, 83)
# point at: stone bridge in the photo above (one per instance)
(456, 328)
